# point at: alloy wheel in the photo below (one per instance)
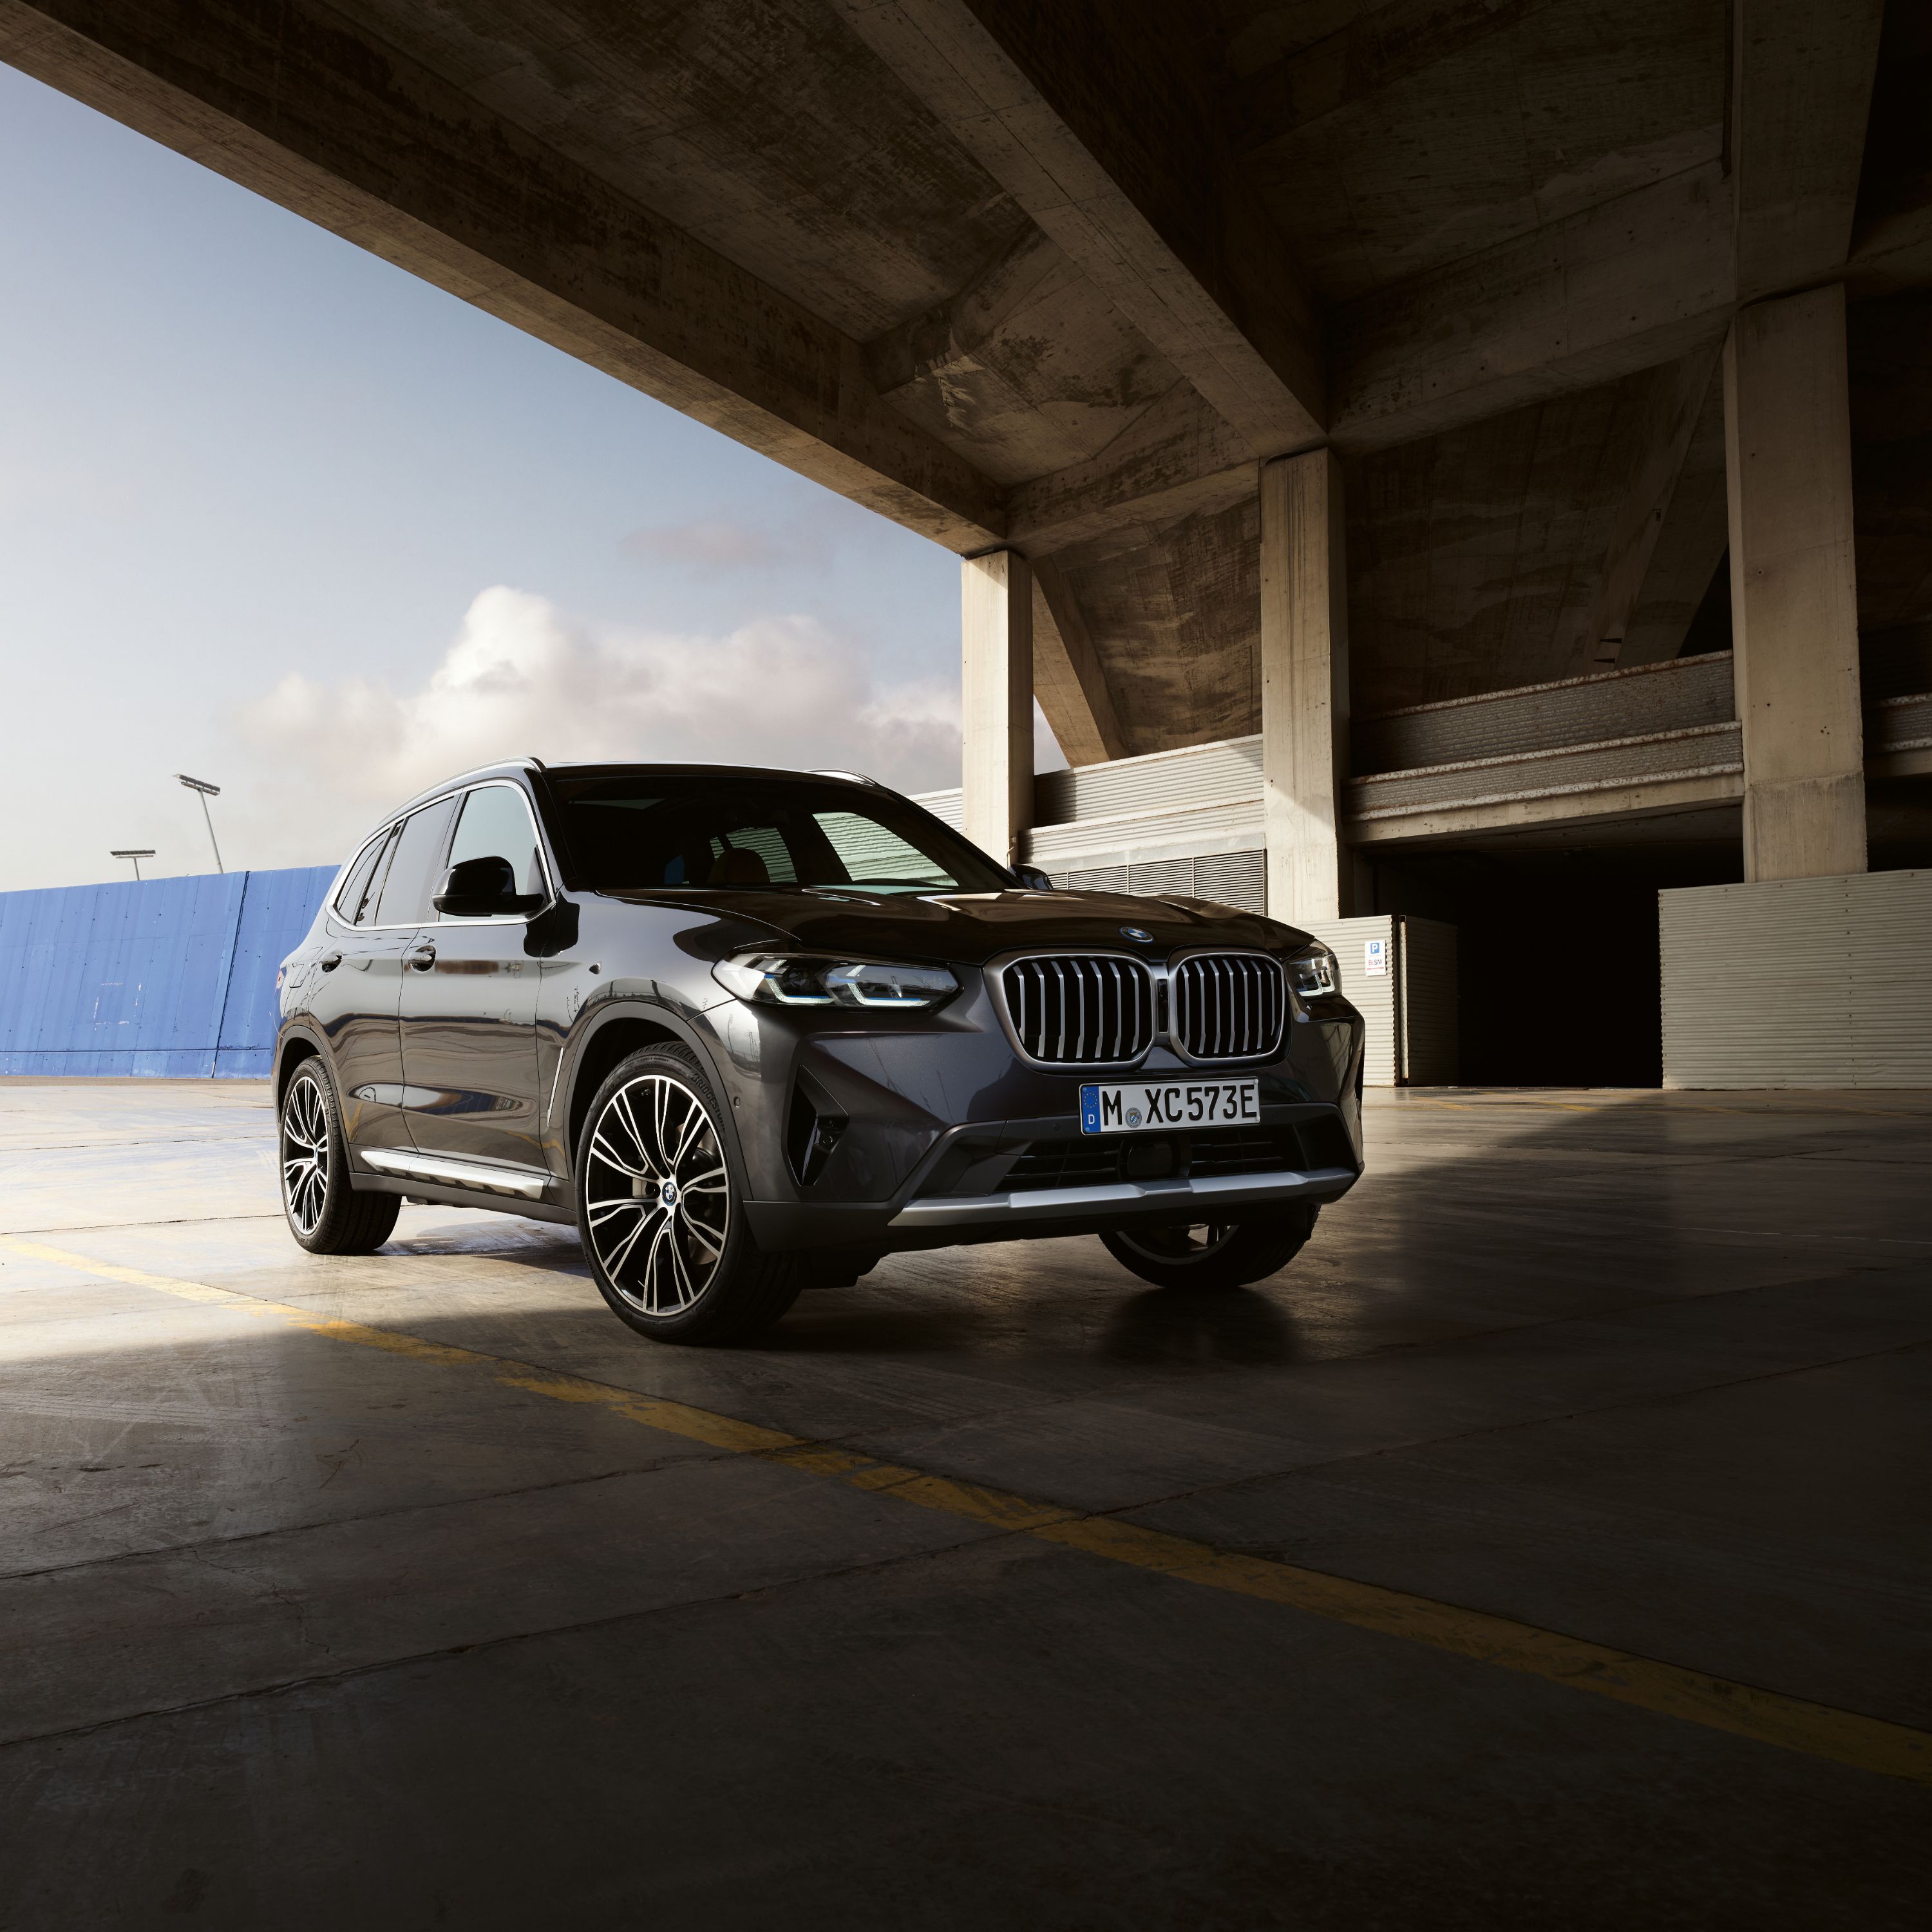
(657, 1196)
(1192, 1243)
(305, 1154)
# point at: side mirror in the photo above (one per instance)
(480, 888)
(1034, 880)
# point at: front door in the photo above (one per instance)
(470, 1004)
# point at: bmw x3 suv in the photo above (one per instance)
(750, 1031)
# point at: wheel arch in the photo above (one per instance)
(615, 1035)
(297, 1045)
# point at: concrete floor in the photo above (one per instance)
(306, 1623)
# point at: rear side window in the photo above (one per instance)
(496, 824)
(405, 891)
(354, 902)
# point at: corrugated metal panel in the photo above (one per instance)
(1197, 832)
(1409, 1011)
(1900, 724)
(1799, 982)
(279, 908)
(949, 805)
(1212, 774)
(1638, 702)
(1229, 878)
(1163, 878)
(1233, 878)
(149, 978)
(1375, 996)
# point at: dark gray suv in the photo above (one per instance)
(751, 1031)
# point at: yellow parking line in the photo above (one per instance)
(1666, 1689)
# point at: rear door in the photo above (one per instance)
(470, 1002)
(354, 999)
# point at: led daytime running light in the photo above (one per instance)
(788, 979)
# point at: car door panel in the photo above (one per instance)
(469, 1005)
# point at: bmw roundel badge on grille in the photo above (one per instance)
(1138, 932)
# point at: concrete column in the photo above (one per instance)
(1794, 590)
(996, 630)
(1304, 686)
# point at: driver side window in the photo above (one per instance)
(496, 824)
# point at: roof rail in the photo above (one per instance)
(857, 778)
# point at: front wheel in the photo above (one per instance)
(658, 1209)
(1212, 1255)
(325, 1213)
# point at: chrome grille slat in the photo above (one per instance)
(1080, 1009)
(1228, 1006)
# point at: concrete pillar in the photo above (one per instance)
(996, 631)
(1794, 590)
(1304, 686)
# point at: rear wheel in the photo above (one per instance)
(658, 1208)
(325, 1213)
(1211, 1255)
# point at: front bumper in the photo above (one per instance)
(942, 1135)
(1212, 1197)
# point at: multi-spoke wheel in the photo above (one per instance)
(324, 1212)
(654, 1199)
(1212, 1255)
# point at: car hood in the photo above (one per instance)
(971, 928)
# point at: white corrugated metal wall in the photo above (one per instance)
(1410, 1005)
(1799, 982)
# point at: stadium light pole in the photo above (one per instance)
(137, 855)
(206, 791)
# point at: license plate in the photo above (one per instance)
(1140, 1107)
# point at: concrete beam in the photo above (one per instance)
(1801, 94)
(996, 636)
(1068, 677)
(1099, 124)
(298, 104)
(1662, 437)
(1794, 587)
(1621, 287)
(1379, 46)
(1304, 685)
(1640, 799)
(1180, 457)
(1643, 279)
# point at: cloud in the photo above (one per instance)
(523, 676)
(720, 545)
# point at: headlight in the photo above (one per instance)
(788, 979)
(1313, 973)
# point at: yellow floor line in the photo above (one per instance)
(1666, 1689)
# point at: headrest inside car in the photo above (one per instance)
(737, 867)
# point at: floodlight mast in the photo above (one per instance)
(204, 791)
(137, 854)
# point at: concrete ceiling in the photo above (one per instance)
(1063, 276)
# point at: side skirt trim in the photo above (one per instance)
(481, 1177)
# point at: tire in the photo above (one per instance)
(325, 1215)
(1230, 1255)
(680, 1265)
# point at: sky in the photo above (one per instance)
(277, 515)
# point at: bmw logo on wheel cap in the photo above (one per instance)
(1139, 932)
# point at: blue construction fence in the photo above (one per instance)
(171, 978)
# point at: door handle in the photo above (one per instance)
(422, 957)
(330, 961)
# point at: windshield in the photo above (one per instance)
(649, 830)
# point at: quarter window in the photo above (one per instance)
(352, 902)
